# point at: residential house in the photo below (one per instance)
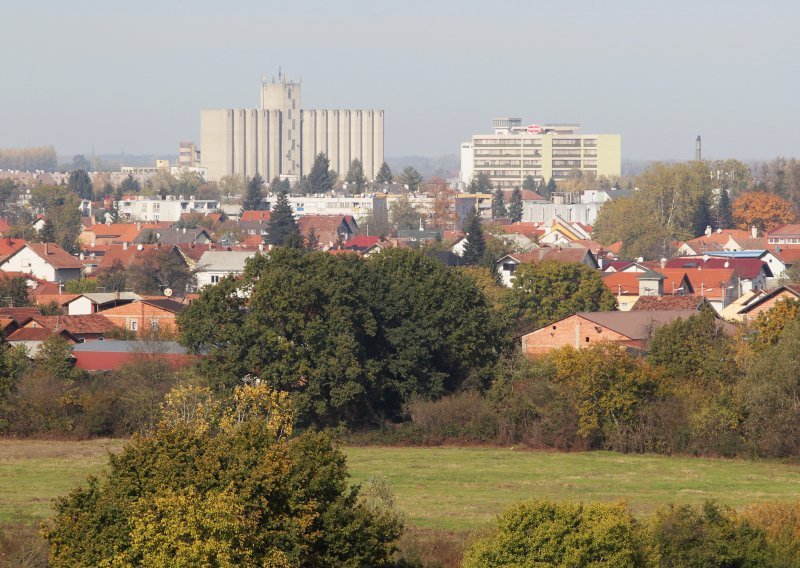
(146, 315)
(114, 233)
(93, 302)
(628, 287)
(329, 229)
(784, 235)
(263, 216)
(47, 261)
(670, 303)
(32, 338)
(174, 236)
(214, 265)
(752, 272)
(632, 329)
(81, 328)
(768, 300)
(722, 240)
(9, 246)
(733, 311)
(507, 265)
(362, 243)
(776, 265)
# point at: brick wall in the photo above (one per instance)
(563, 333)
(143, 314)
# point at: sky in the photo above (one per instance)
(133, 77)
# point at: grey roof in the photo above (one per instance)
(118, 346)
(224, 260)
(638, 324)
(105, 297)
(173, 235)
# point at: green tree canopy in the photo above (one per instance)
(253, 193)
(384, 174)
(351, 339)
(547, 291)
(222, 486)
(530, 183)
(14, 291)
(543, 533)
(282, 229)
(724, 211)
(411, 178)
(480, 183)
(130, 185)
(402, 214)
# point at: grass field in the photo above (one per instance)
(446, 488)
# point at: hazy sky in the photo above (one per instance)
(83, 74)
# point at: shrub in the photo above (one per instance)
(463, 415)
(542, 533)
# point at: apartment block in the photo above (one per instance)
(513, 152)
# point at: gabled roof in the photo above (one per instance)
(362, 242)
(54, 255)
(790, 229)
(76, 325)
(9, 246)
(166, 304)
(223, 260)
(560, 254)
(791, 290)
(256, 216)
(638, 324)
(669, 303)
(120, 232)
(787, 254)
(627, 283)
(527, 195)
(21, 315)
(173, 235)
(747, 268)
(128, 256)
(37, 334)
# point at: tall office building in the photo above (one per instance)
(514, 152)
(281, 139)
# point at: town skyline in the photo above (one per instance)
(664, 77)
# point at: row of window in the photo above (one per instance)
(511, 153)
(135, 325)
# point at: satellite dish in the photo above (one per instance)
(139, 247)
(168, 292)
(640, 259)
(705, 258)
(727, 264)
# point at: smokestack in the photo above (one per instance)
(698, 154)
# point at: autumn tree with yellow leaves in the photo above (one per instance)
(223, 483)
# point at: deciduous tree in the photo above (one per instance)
(765, 211)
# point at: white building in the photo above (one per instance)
(279, 139)
(357, 207)
(214, 265)
(46, 261)
(514, 152)
(169, 209)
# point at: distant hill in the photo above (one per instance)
(442, 166)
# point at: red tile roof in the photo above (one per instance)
(256, 216)
(77, 325)
(747, 268)
(9, 246)
(651, 303)
(790, 229)
(362, 241)
(55, 256)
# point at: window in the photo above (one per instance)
(154, 325)
(134, 325)
(587, 340)
(215, 278)
(509, 267)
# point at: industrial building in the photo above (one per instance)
(514, 152)
(279, 139)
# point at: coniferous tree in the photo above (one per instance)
(724, 211)
(476, 242)
(702, 216)
(130, 185)
(411, 178)
(80, 183)
(498, 204)
(321, 178)
(48, 232)
(515, 207)
(356, 177)
(282, 229)
(530, 183)
(480, 183)
(277, 185)
(312, 241)
(384, 174)
(550, 189)
(253, 193)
